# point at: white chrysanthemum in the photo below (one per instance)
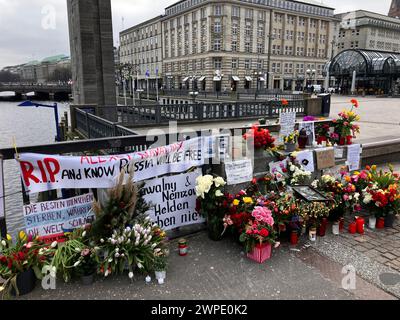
(218, 193)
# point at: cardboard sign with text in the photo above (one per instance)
(325, 158)
(173, 200)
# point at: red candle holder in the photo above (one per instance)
(294, 238)
(380, 223)
(341, 224)
(353, 227)
(360, 225)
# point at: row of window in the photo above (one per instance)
(282, 4)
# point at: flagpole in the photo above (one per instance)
(157, 84)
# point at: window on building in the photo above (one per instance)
(235, 63)
(234, 46)
(217, 44)
(260, 48)
(247, 47)
(249, 13)
(218, 10)
(235, 29)
(247, 64)
(236, 12)
(217, 27)
(217, 63)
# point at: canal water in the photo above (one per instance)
(29, 126)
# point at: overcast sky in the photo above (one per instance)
(35, 29)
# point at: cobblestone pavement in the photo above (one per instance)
(374, 255)
(220, 270)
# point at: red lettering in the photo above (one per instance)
(52, 171)
(101, 160)
(27, 170)
(42, 171)
(83, 159)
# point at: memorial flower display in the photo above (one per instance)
(210, 203)
(259, 229)
(260, 138)
(382, 194)
(345, 127)
(24, 259)
(132, 248)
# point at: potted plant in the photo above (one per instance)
(86, 265)
(291, 141)
(210, 200)
(160, 266)
(21, 264)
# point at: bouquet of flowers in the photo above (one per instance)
(261, 138)
(382, 193)
(292, 138)
(131, 247)
(15, 258)
(259, 229)
(345, 127)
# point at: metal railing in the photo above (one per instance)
(186, 113)
(93, 127)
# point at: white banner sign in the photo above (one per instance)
(43, 172)
(2, 194)
(50, 220)
(239, 172)
(173, 200)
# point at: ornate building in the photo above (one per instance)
(244, 44)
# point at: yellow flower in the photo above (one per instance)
(9, 238)
(347, 178)
(247, 200)
(236, 202)
(22, 235)
(373, 167)
(356, 173)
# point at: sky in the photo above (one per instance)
(35, 29)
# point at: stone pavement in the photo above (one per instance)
(220, 270)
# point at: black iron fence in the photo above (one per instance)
(186, 113)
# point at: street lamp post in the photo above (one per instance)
(54, 107)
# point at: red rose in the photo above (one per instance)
(264, 233)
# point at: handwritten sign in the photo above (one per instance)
(339, 152)
(354, 157)
(306, 160)
(239, 172)
(51, 219)
(45, 172)
(287, 122)
(2, 200)
(173, 200)
(325, 158)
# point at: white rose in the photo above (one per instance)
(292, 168)
(3, 243)
(54, 244)
(218, 193)
(219, 181)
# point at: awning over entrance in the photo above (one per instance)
(235, 78)
(201, 79)
(249, 78)
(217, 78)
(186, 79)
(262, 79)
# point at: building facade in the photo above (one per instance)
(141, 48)
(242, 44)
(233, 44)
(394, 10)
(367, 30)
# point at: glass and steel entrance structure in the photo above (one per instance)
(376, 72)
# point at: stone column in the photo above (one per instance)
(92, 53)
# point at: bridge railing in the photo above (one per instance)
(186, 113)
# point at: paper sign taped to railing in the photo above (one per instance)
(173, 200)
(50, 220)
(45, 172)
